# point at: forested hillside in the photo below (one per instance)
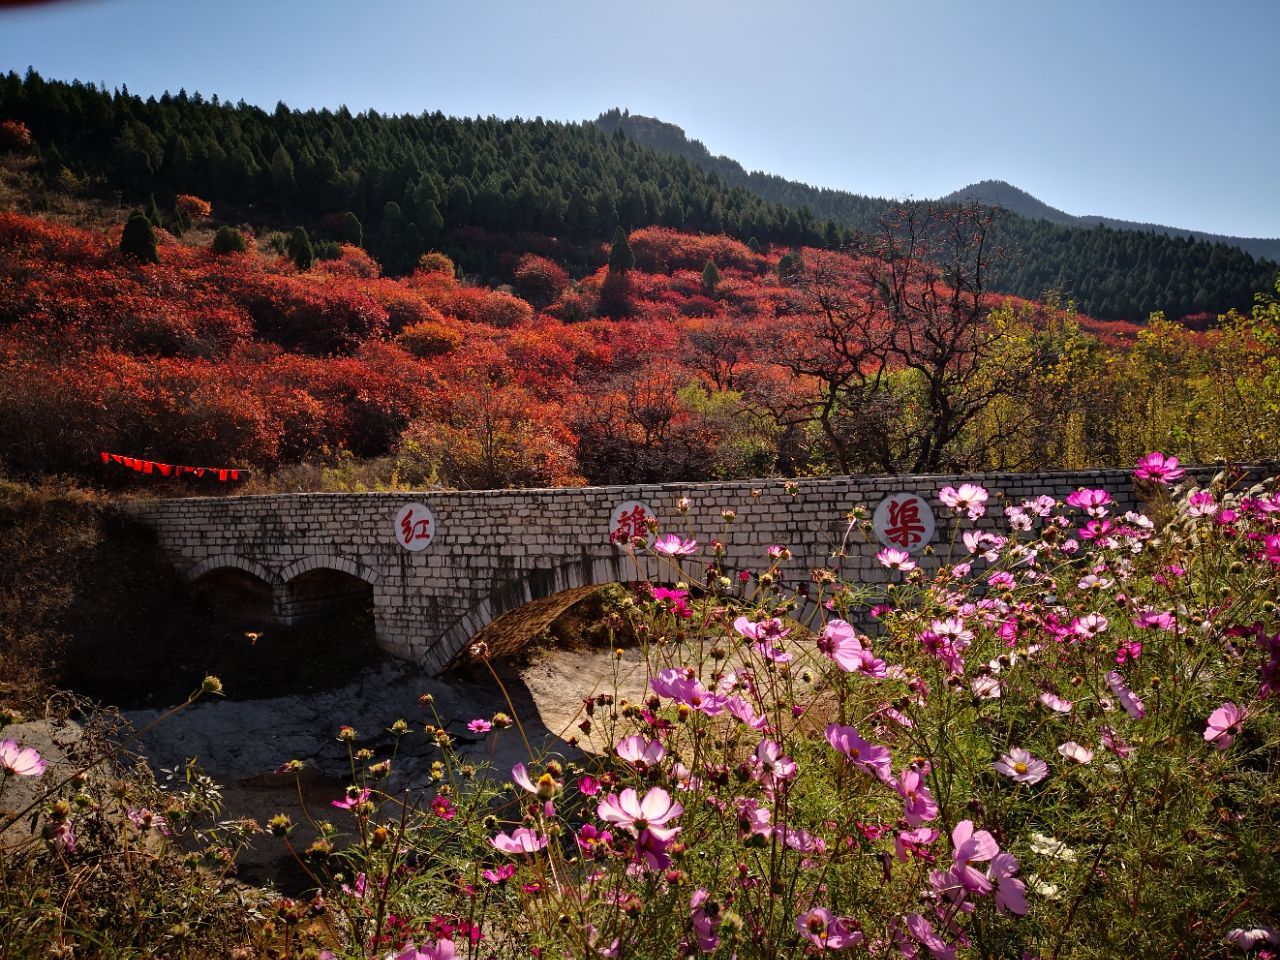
(468, 186)
(1111, 273)
(997, 193)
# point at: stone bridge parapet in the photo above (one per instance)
(492, 552)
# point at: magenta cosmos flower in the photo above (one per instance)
(635, 815)
(20, 761)
(1224, 725)
(971, 846)
(917, 802)
(876, 760)
(480, 726)
(826, 931)
(440, 950)
(841, 643)
(1093, 502)
(895, 559)
(679, 686)
(1022, 767)
(674, 546)
(521, 840)
(705, 914)
(1158, 467)
(1011, 893)
(969, 498)
(639, 752)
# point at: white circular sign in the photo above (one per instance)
(630, 519)
(905, 521)
(415, 527)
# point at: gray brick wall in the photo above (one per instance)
(494, 551)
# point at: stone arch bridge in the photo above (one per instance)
(518, 558)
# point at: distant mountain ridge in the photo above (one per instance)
(999, 193)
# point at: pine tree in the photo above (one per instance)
(300, 250)
(352, 231)
(139, 239)
(710, 277)
(621, 258)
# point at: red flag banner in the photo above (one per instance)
(224, 474)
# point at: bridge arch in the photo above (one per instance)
(328, 561)
(237, 587)
(518, 609)
(231, 561)
(324, 587)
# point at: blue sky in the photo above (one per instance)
(1155, 110)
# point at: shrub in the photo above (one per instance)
(138, 240)
(429, 339)
(229, 240)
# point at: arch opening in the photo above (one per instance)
(325, 595)
(241, 597)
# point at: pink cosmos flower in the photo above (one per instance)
(639, 752)
(62, 836)
(1246, 938)
(923, 931)
(352, 799)
(970, 498)
(480, 726)
(443, 807)
(744, 712)
(1158, 467)
(918, 802)
(1155, 620)
(500, 875)
(1128, 699)
(19, 761)
(679, 600)
(970, 847)
(593, 841)
(1055, 702)
(771, 765)
(986, 687)
(825, 931)
(1021, 767)
(674, 546)
(841, 643)
(1002, 580)
(680, 686)
(148, 820)
(876, 760)
(764, 630)
(521, 840)
(895, 559)
(915, 843)
(1115, 744)
(588, 786)
(1093, 502)
(797, 838)
(1201, 504)
(1073, 751)
(440, 950)
(636, 815)
(1089, 626)
(705, 914)
(1011, 893)
(1224, 725)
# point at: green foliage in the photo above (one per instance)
(621, 257)
(710, 277)
(299, 248)
(352, 231)
(229, 239)
(138, 240)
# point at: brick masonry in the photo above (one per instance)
(494, 552)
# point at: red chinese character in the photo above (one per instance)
(633, 524)
(412, 531)
(905, 527)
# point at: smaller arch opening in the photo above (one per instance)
(325, 595)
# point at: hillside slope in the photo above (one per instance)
(998, 193)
